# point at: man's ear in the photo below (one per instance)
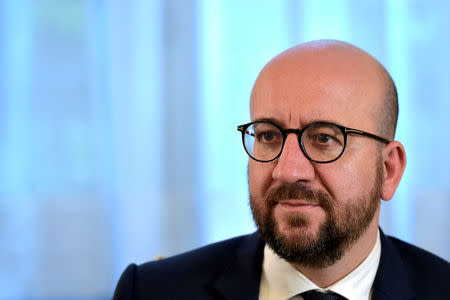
(394, 162)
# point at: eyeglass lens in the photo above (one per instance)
(321, 142)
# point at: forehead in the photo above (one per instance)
(301, 89)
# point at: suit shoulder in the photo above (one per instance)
(421, 262)
(198, 262)
(192, 275)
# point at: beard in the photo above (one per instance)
(345, 222)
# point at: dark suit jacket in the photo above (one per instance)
(232, 270)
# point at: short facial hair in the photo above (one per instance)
(344, 223)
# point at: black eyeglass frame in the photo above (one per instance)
(299, 133)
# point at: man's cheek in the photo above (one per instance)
(260, 178)
(253, 176)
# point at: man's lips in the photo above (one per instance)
(297, 202)
(297, 205)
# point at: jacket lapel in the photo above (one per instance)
(242, 278)
(392, 279)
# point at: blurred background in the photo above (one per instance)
(118, 126)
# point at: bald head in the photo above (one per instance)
(388, 114)
(345, 76)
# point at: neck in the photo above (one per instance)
(352, 258)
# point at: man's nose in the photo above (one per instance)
(292, 165)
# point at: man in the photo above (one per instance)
(322, 155)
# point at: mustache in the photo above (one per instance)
(299, 191)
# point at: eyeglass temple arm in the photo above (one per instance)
(241, 129)
(379, 138)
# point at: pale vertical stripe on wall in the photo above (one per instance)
(18, 165)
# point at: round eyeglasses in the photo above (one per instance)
(320, 142)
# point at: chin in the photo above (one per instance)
(300, 235)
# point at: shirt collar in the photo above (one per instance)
(279, 280)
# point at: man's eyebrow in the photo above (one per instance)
(324, 121)
(271, 120)
(311, 121)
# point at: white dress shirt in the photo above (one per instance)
(281, 281)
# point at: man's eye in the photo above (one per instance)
(266, 136)
(324, 138)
